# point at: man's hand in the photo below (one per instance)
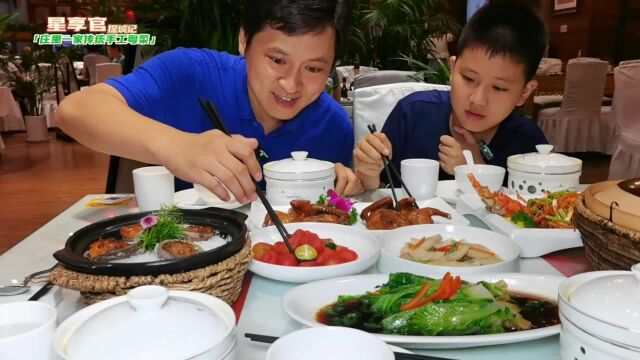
(217, 162)
(451, 149)
(368, 158)
(347, 183)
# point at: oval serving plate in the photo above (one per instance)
(228, 223)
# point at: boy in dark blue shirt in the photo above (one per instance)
(498, 54)
(273, 95)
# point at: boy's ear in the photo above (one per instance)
(242, 41)
(452, 62)
(528, 89)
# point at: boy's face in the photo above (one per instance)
(485, 90)
(286, 73)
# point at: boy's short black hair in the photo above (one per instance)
(296, 17)
(507, 28)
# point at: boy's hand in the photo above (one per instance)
(451, 149)
(347, 183)
(217, 162)
(368, 158)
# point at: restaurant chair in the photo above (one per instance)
(348, 72)
(549, 66)
(625, 162)
(382, 77)
(119, 176)
(70, 83)
(575, 125)
(107, 71)
(373, 104)
(627, 62)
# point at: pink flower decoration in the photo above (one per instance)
(339, 202)
(148, 221)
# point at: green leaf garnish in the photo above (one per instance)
(169, 227)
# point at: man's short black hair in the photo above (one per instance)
(296, 17)
(510, 29)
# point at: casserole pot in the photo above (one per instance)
(298, 177)
(535, 173)
(600, 315)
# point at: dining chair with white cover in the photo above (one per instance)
(348, 73)
(575, 126)
(625, 162)
(549, 66)
(107, 71)
(382, 77)
(373, 104)
(627, 62)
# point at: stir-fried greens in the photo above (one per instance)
(555, 210)
(414, 305)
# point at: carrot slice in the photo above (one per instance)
(413, 303)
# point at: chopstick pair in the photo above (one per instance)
(398, 356)
(216, 119)
(388, 164)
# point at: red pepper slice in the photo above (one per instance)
(446, 286)
(412, 304)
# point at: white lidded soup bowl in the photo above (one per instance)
(299, 177)
(535, 173)
(150, 322)
(600, 314)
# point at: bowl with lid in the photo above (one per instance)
(298, 177)
(150, 322)
(536, 173)
(600, 314)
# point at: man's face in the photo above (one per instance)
(484, 90)
(286, 73)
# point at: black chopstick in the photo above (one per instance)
(398, 356)
(216, 119)
(385, 161)
(41, 292)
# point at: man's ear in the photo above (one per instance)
(242, 41)
(526, 92)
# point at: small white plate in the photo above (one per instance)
(448, 191)
(394, 240)
(188, 199)
(258, 213)
(362, 242)
(303, 302)
(532, 242)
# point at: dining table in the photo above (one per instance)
(259, 307)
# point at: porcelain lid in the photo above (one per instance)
(614, 299)
(150, 324)
(544, 162)
(299, 167)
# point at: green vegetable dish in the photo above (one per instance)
(414, 305)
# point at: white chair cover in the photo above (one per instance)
(347, 72)
(10, 113)
(372, 105)
(383, 77)
(575, 126)
(548, 66)
(107, 71)
(625, 162)
(627, 62)
(90, 62)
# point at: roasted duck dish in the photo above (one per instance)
(381, 215)
(306, 211)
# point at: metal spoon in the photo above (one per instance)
(17, 289)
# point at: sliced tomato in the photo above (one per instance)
(325, 256)
(269, 257)
(346, 254)
(287, 260)
(313, 263)
(259, 249)
(280, 248)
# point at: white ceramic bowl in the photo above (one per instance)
(331, 342)
(26, 328)
(392, 242)
(488, 175)
(364, 243)
(110, 320)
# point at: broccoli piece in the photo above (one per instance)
(522, 219)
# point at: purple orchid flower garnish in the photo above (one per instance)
(339, 202)
(148, 221)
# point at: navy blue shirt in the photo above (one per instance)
(417, 122)
(167, 87)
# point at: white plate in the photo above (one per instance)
(362, 242)
(258, 212)
(392, 242)
(448, 191)
(188, 199)
(532, 242)
(304, 301)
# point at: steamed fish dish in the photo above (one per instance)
(435, 250)
(415, 305)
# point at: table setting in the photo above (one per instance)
(269, 289)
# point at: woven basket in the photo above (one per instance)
(607, 245)
(223, 280)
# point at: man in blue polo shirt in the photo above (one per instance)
(273, 95)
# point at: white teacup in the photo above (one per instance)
(154, 187)
(26, 330)
(421, 177)
(329, 342)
